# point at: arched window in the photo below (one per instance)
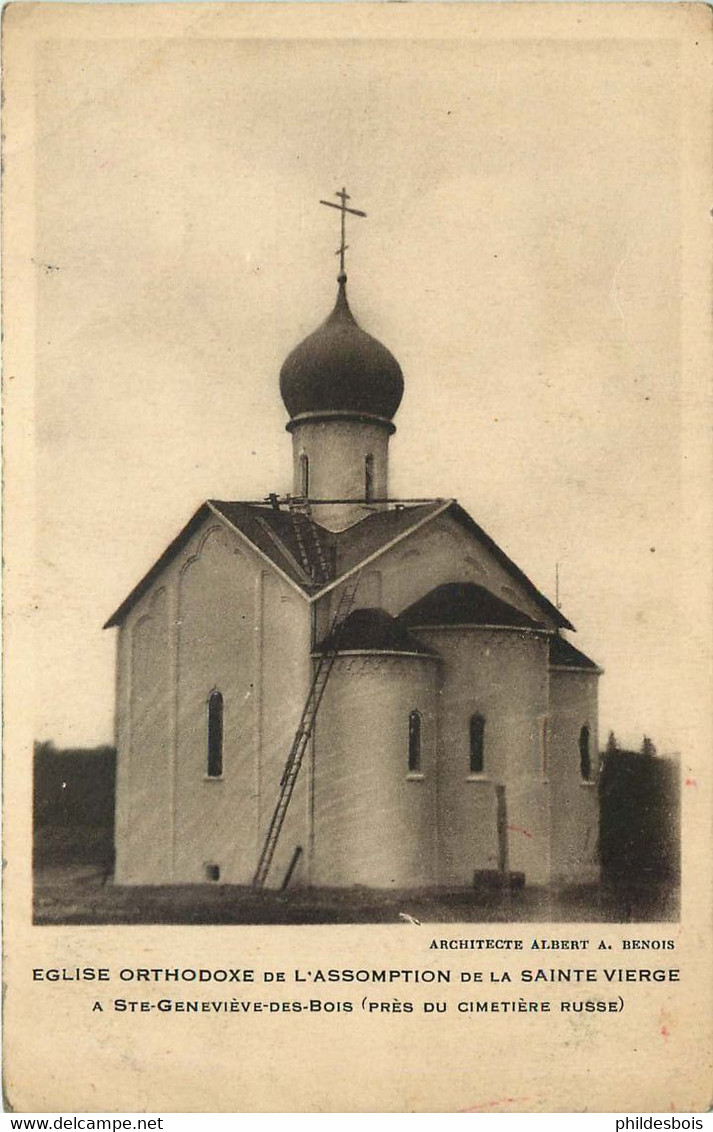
(414, 742)
(477, 743)
(304, 475)
(215, 735)
(585, 759)
(368, 477)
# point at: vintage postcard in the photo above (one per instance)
(357, 513)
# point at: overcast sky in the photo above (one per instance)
(520, 259)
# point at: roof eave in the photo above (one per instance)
(142, 586)
(536, 630)
(261, 554)
(588, 669)
(462, 516)
(204, 511)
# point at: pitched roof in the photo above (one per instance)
(272, 532)
(469, 524)
(565, 655)
(171, 550)
(463, 603)
(374, 630)
(377, 531)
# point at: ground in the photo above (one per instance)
(85, 894)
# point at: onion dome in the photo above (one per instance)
(463, 603)
(341, 370)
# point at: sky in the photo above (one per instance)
(520, 258)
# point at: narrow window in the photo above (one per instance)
(414, 742)
(304, 475)
(369, 478)
(215, 735)
(477, 743)
(585, 761)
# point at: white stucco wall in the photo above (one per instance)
(220, 617)
(502, 675)
(217, 618)
(145, 763)
(374, 822)
(575, 803)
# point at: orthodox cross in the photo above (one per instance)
(342, 206)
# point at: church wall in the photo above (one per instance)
(143, 816)
(374, 821)
(442, 551)
(286, 674)
(575, 803)
(218, 613)
(215, 621)
(502, 676)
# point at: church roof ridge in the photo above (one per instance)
(563, 654)
(469, 523)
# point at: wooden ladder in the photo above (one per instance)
(308, 540)
(322, 671)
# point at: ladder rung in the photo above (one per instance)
(302, 521)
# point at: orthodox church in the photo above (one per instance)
(337, 688)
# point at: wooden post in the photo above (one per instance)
(502, 819)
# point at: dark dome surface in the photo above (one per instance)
(341, 369)
(374, 630)
(563, 654)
